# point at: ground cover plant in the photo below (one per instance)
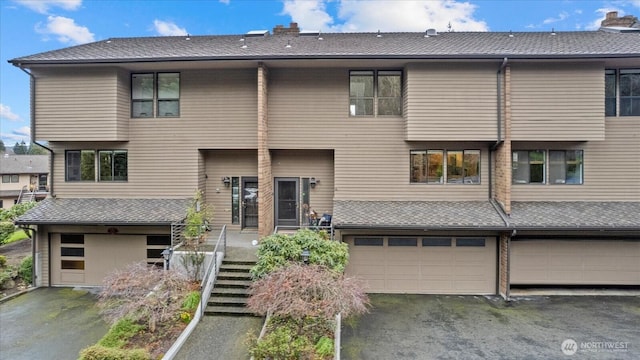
(301, 300)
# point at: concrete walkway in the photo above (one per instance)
(224, 337)
(49, 323)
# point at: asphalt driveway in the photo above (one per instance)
(477, 327)
(49, 323)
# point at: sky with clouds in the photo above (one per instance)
(32, 26)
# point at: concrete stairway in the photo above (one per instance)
(230, 291)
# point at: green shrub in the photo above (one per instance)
(278, 250)
(97, 352)
(324, 347)
(3, 261)
(16, 211)
(7, 228)
(6, 277)
(120, 333)
(26, 269)
(191, 302)
(16, 236)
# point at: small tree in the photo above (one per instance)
(143, 293)
(301, 291)
(199, 215)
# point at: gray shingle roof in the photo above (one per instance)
(449, 215)
(575, 215)
(584, 44)
(24, 164)
(95, 211)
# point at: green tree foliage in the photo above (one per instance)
(35, 149)
(7, 216)
(2, 148)
(278, 250)
(20, 149)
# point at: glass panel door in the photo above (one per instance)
(249, 202)
(286, 194)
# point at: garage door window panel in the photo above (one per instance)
(470, 242)
(368, 241)
(393, 241)
(436, 241)
(72, 251)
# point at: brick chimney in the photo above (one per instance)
(293, 29)
(612, 19)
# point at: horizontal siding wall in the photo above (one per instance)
(218, 108)
(309, 108)
(451, 102)
(376, 166)
(79, 99)
(611, 167)
(231, 163)
(557, 102)
(307, 164)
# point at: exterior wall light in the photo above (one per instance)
(166, 255)
(226, 180)
(313, 182)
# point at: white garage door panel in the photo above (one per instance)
(426, 270)
(563, 262)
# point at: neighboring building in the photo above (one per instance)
(24, 178)
(461, 163)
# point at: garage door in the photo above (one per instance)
(565, 262)
(84, 259)
(424, 265)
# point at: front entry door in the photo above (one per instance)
(249, 202)
(286, 196)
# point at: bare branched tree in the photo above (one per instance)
(299, 291)
(143, 293)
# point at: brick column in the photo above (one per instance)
(265, 177)
(503, 153)
(503, 265)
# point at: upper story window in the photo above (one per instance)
(528, 167)
(155, 95)
(630, 92)
(622, 91)
(610, 90)
(110, 165)
(441, 166)
(565, 167)
(375, 93)
(10, 178)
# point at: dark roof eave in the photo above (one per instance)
(20, 63)
(577, 228)
(113, 223)
(421, 228)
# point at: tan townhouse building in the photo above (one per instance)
(24, 178)
(452, 163)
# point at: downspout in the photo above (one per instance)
(498, 119)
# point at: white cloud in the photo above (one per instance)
(24, 131)
(226, 2)
(385, 15)
(5, 113)
(43, 6)
(66, 30)
(562, 16)
(167, 28)
(16, 136)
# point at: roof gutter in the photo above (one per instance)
(414, 228)
(32, 124)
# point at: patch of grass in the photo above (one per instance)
(120, 333)
(16, 236)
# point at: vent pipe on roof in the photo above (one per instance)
(431, 32)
